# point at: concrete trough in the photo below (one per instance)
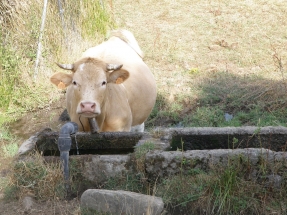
(86, 143)
(273, 138)
(46, 142)
(171, 139)
(118, 147)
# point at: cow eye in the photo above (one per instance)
(104, 83)
(75, 83)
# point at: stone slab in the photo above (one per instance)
(120, 202)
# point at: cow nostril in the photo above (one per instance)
(88, 106)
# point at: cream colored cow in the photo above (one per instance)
(110, 83)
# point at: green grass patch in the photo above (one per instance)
(140, 153)
(129, 182)
(9, 74)
(95, 19)
(8, 144)
(135, 182)
(141, 150)
(10, 149)
(249, 100)
(222, 190)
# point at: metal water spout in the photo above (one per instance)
(64, 145)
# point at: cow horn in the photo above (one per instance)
(114, 66)
(66, 66)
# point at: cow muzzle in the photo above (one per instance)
(88, 109)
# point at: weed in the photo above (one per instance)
(224, 188)
(85, 211)
(221, 190)
(194, 171)
(129, 182)
(96, 18)
(11, 192)
(205, 117)
(140, 153)
(180, 190)
(10, 149)
(37, 177)
(9, 74)
(5, 135)
(77, 182)
(193, 71)
(143, 149)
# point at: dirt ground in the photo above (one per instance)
(40, 208)
(32, 122)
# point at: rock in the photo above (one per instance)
(28, 203)
(64, 117)
(28, 145)
(274, 181)
(120, 202)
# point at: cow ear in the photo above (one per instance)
(118, 76)
(61, 80)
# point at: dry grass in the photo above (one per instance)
(36, 178)
(188, 42)
(238, 36)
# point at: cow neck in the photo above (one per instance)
(107, 102)
(126, 92)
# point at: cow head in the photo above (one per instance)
(87, 83)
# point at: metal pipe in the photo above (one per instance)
(40, 38)
(64, 145)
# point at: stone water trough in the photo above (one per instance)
(108, 154)
(105, 155)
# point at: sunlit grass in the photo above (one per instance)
(188, 42)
